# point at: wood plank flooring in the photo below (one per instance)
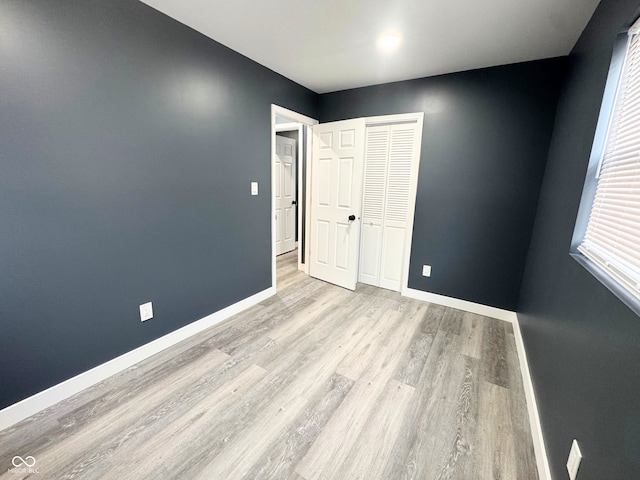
(315, 382)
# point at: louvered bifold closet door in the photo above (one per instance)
(399, 167)
(612, 238)
(375, 185)
(389, 158)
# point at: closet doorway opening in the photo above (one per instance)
(364, 175)
(382, 215)
(392, 160)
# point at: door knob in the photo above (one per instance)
(293, 202)
(352, 218)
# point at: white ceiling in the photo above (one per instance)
(329, 45)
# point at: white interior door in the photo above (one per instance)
(336, 200)
(285, 194)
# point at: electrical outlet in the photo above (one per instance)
(254, 188)
(574, 460)
(426, 270)
(146, 311)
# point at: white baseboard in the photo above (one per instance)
(465, 305)
(542, 462)
(532, 406)
(29, 406)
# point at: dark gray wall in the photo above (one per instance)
(583, 344)
(125, 170)
(484, 147)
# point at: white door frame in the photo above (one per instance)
(304, 120)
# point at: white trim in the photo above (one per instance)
(616, 99)
(307, 201)
(534, 418)
(465, 305)
(287, 127)
(299, 186)
(398, 118)
(291, 115)
(29, 406)
(635, 28)
(296, 117)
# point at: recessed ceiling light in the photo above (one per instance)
(389, 41)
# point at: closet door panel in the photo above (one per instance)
(370, 250)
(399, 174)
(390, 156)
(399, 168)
(392, 257)
(374, 193)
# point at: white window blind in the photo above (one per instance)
(612, 237)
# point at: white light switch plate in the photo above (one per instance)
(146, 311)
(254, 188)
(575, 455)
(426, 270)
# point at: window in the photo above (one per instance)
(608, 227)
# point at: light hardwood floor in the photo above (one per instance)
(314, 383)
